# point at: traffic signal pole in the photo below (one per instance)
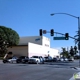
(63, 34)
(79, 38)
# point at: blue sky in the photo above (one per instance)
(28, 16)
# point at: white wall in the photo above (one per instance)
(54, 52)
(35, 49)
(43, 40)
(46, 42)
(32, 39)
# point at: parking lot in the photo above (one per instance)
(50, 71)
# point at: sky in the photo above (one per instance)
(28, 16)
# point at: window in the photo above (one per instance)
(35, 57)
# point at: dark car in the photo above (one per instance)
(71, 59)
(22, 59)
(55, 60)
(48, 59)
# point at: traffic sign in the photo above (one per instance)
(59, 38)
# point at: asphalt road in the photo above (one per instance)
(36, 72)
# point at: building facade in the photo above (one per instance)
(34, 46)
(39, 50)
(41, 40)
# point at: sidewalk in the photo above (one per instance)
(75, 76)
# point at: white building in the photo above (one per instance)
(34, 45)
(41, 40)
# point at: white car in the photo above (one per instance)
(66, 59)
(36, 59)
(13, 60)
(61, 59)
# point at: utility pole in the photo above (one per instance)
(79, 38)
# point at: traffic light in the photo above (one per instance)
(40, 32)
(66, 36)
(52, 32)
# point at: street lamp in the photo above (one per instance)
(78, 29)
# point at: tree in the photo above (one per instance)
(64, 52)
(72, 52)
(8, 38)
(75, 50)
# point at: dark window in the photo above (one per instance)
(35, 57)
(22, 57)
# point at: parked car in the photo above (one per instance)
(48, 59)
(22, 59)
(36, 59)
(66, 59)
(7, 56)
(71, 59)
(62, 59)
(55, 60)
(5, 61)
(13, 60)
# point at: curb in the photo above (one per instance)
(76, 68)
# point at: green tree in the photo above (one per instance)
(8, 38)
(64, 52)
(75, 50)
(72, 52)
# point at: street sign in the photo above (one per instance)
(59, 38)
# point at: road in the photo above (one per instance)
(65, 64)
(36, 72)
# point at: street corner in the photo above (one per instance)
(76, 76)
